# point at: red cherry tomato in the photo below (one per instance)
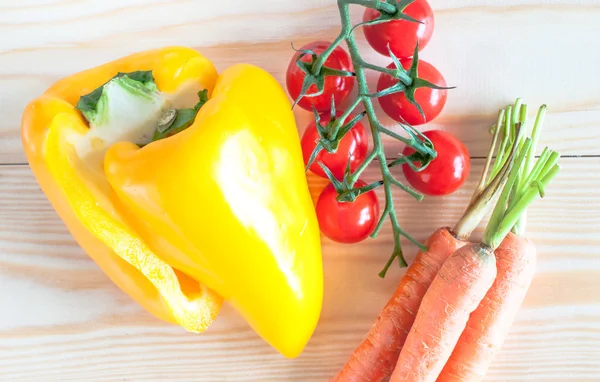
(347, 222)
(339, 87)
(447, 172)
(353, 147)
(401, 35)
(432, 101)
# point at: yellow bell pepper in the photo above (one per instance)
(219, 210)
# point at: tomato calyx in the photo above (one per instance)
(390, 10)
(315, 74)
(417, 82)
(410, 86)
(410, 160)
(417, 157)
(345, 188)
(331, 134)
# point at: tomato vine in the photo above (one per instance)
(407, 82)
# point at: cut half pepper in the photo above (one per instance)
(83, 198)
(185, 201)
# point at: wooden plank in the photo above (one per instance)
(492, 51)
(62, 319)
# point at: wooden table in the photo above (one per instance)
(61, 319)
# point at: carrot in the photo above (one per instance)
(456, 291)
(376, 356)
(489, 324)
(468, 274)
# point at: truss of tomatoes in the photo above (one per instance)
(353, 221)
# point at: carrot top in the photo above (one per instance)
(490, 187)
(526, 179)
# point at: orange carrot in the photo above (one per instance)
(376, 356)
(467, 275)
(489, 324)
(456, 291)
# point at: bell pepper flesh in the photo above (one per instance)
(222, 206)
(91, 199)
(230, 194)
(174, 67)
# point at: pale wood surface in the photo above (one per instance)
(61, 319)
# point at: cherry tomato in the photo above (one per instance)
(432, 101)
(401, 35)
(353, 147)
(447, 172)
(339, 87)
(347, 222)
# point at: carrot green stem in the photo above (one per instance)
(490, 237)
(510, 124)
(514, 213)
(488, 161)
(535, 137)
(517, 113)
(505, 142)
(526, 181)
(523, 118)
(549, 165)
(520, 225)
(539, 165)
(479, 207)
(509, 135)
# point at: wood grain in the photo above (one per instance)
(61, 319)
(540, 50)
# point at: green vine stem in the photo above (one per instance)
(408, 81)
